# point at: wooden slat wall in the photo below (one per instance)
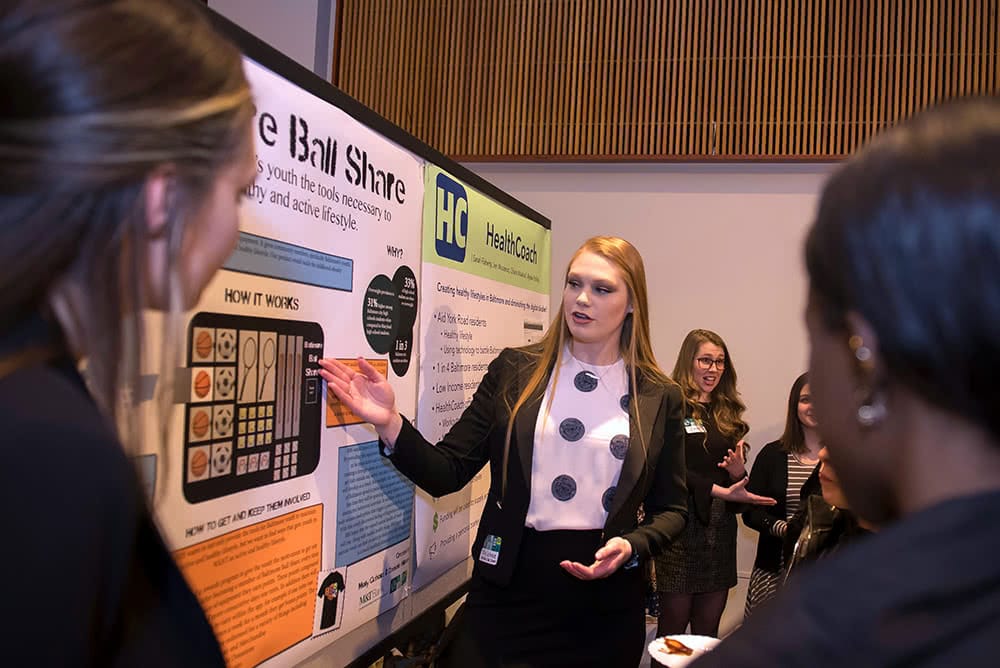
(681, 79)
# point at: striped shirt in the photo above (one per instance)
(798, 473)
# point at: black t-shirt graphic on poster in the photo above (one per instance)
(330, 592)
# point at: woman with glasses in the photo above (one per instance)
(694, 575)
(780, 471)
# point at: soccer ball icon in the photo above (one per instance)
(225, 346)
(223, 421)
(222, 455)
(225, 381)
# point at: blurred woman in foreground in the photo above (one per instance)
(904, 328)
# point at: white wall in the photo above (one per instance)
(301, 29)
(722, 247)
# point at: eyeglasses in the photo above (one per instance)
(707, 363)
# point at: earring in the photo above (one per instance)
(871, 414)
(872, 411)
(871, 407)
(862, 353)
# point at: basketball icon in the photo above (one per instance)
(198, 464)
(200, 424)
(202, 384)
(203, 344)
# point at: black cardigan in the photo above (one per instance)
(768, 477)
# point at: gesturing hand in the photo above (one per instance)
(607, 560)
(734, 463)
(737, 493)
(365, 392)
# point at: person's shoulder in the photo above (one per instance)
(785, 636)
(518, 357)
(52, 424)
(805, 625)
(774, 449)
(64, 469)
(531, 351)
(925, 541)
(508, 364)
(856, 583)
(52, 395)
(656, 381)
(673, 397)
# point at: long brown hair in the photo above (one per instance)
(794, 437)
(96, 96)
(634, 345)
(727, 407)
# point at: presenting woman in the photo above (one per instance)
(694, 576)
(780, 471)
(579, 431)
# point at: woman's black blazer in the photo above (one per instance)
(652, 475)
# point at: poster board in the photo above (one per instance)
(486, 272)
(291, 529)
(289, 526)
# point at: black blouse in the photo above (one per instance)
(90, 580)
(704, 447)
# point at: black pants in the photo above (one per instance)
(546, 617)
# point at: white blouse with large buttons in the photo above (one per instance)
(580, 443)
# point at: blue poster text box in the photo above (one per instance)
(261, 256)
(374, 503)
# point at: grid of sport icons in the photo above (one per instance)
(253, 408)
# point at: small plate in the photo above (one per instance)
(700, 645)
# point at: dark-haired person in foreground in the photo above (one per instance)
(904, 325)
(125, 146)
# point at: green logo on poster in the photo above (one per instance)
(435, 521)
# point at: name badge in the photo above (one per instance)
(694, 426)
(490, 553)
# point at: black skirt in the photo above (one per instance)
(703, 558)
(546, 617)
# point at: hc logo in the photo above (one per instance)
(451, 221)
